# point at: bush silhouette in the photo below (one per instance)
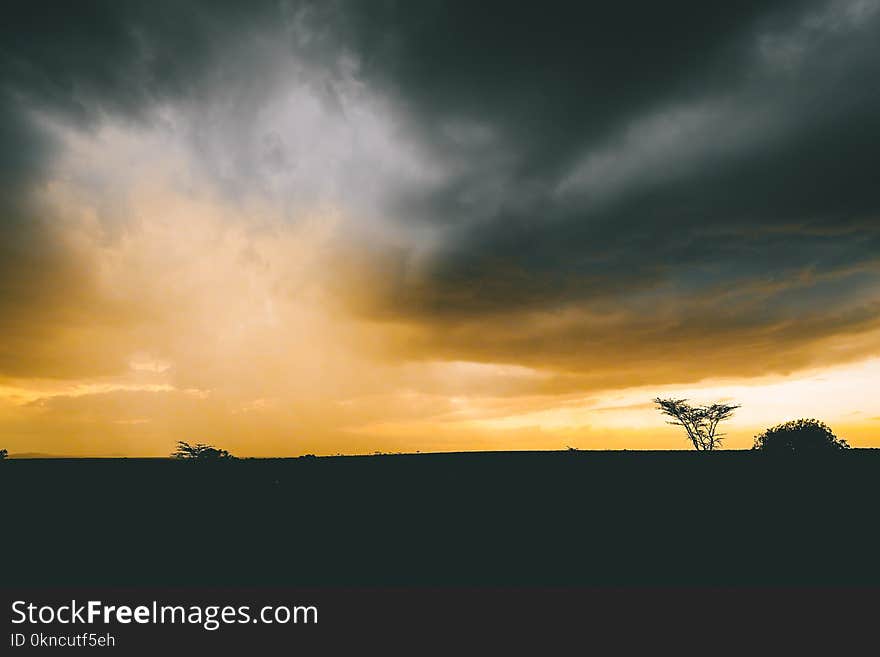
(3, 454)
(200, 452)
(799, 437)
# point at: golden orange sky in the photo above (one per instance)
(205, 320)
(291, 228)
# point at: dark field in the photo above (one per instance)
(524, 518)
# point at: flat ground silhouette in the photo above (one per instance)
(472, 519)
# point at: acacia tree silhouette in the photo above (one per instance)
(200, 452)
(700, 422)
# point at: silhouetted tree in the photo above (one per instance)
(3, 454)
(700, 422)
(799, 437)
(200, 452)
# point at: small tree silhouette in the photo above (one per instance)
(799, 437)
(700, 422)
(200, 452)
(3, 454)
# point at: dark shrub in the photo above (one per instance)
(799, 437)
(200, 452)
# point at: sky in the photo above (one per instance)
(345, 227)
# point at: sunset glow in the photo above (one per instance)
(297, 255)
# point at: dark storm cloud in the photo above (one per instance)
(652, 162)
(548, 78)
(623, 146)
(117, 57)
(655, 165)
(84, 62)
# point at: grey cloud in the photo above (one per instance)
(561, 157)
(780, 136)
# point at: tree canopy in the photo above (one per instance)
(700, 422)
(799, 436)
(200, 452)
